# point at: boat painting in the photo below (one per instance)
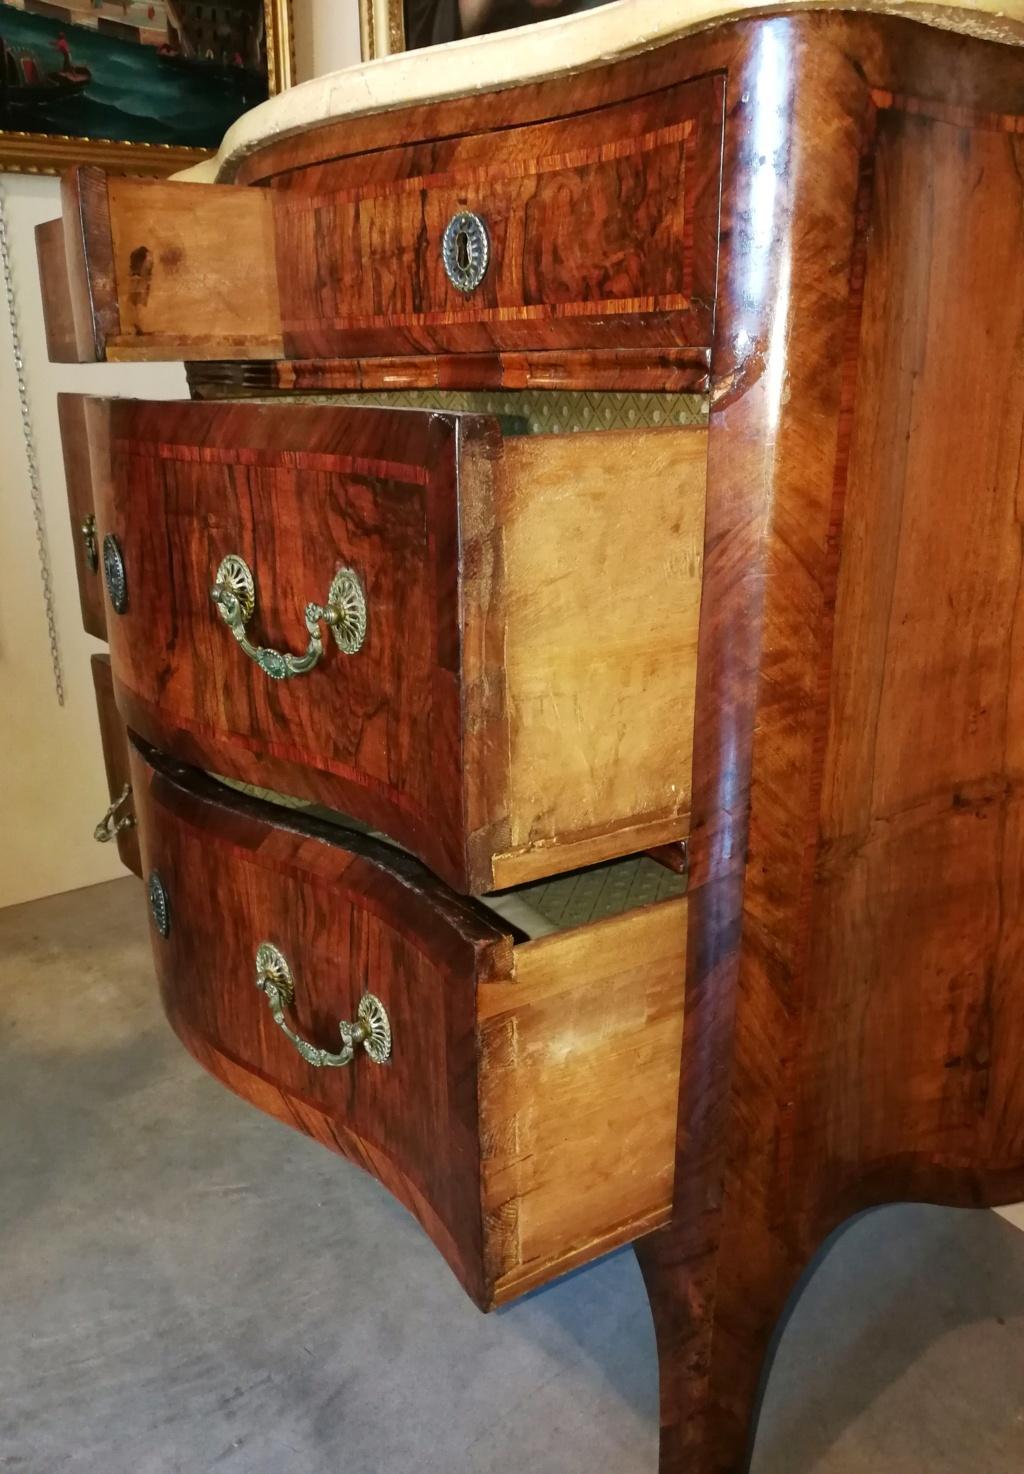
(171, 72)
(26, 86)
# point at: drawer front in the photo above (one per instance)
(347, 924)
(120, 824)
(596, 226)
(526, 1113)
(600, 231)
(511, 712)
(82, 428)
(295, 493)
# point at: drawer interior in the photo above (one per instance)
(536, 908)
(518, 412)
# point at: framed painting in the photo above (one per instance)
(147, 86)
(406, 25)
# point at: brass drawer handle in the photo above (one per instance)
(114, 822)
(372, 1029)
(90, 548)
(234, 593)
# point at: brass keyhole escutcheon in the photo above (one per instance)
(465, 251)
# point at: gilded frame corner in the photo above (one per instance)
(51, 153)
(381, 28)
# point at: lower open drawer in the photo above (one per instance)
(526, 1110)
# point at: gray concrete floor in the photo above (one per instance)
(187, 1286)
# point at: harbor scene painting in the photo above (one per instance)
(171, 73)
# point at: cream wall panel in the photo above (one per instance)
(52, 783)
(51, 769)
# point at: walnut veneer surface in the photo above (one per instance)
(815, 219)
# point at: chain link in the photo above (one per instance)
(31, 459)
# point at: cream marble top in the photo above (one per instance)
(548, 49)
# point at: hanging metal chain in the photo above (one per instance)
(31, 459)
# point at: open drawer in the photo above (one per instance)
(507, 686)
(576, 233)
(520, 1095)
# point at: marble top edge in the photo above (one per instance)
(549, 49)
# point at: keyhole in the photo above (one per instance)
(462, 250)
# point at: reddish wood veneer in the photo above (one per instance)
(853, 992)
(854, 1008)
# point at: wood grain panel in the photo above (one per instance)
(349, 919)
(153, 269)
(598, 653)
(920, 858)
(297, 493)
(89, 263)
(579, 1082)
(195, 271)
(600, 220)
(591, 219)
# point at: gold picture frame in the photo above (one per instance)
(381, 27)
(50, 153)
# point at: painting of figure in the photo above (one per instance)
(433, 22)
(174, 73)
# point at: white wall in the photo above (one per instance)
(52, 783)
(326, 36)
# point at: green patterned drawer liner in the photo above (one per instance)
(575, 899)
(530, 411)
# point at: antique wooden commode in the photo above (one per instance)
(640, 403)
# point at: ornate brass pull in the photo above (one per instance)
(114, 822)
(372, 1029)
(234, 593)
(90, 548)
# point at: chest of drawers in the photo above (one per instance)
(564, 657)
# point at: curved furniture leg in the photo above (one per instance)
(714, 1318)
(855, 976)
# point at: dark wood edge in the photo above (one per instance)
(674, 370)
(472, 923)
(55, 292)
(410, 439)
(73, 414)
(90, 261)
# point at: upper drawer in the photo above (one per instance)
(526, 1110)
(599, 231)
(522, 698)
